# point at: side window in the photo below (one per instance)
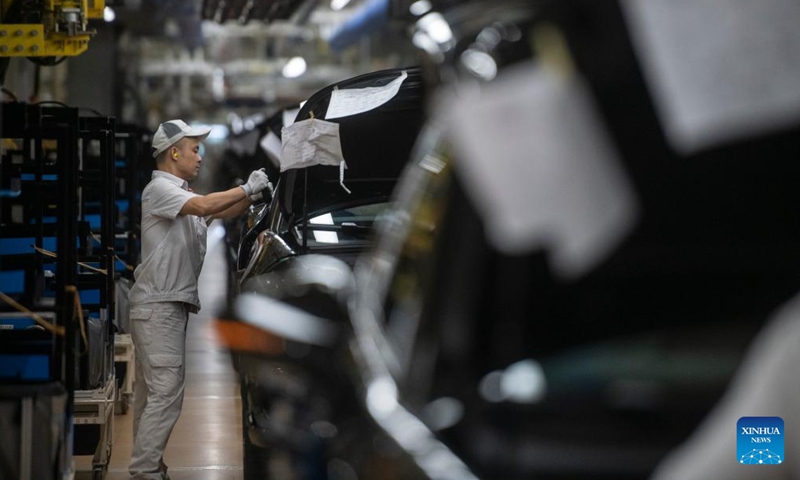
(349, 225)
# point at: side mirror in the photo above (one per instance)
(259, 252)
(255, 212)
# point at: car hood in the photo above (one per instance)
(375, 144)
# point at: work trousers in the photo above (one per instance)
(159, 338)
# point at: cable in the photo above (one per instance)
(79, 312)
(123, 262)
(53, 255)
(54, 329)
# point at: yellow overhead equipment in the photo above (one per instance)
(47, 28)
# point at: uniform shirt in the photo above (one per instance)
(173, 245)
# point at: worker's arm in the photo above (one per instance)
(234, 211)
(215, 203)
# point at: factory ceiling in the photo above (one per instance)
(218, 56)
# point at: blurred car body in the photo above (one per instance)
(483, 363)
(296, 415)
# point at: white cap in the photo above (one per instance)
(171, 131)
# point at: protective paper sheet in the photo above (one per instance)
(719, 70)
(537, 164)
(311, 142)
(352, 101)
(272, 146)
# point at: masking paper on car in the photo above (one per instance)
(719, 70)
(311, 142)
(352, 101)
(537, 164)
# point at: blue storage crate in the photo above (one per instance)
(90, 296)
(30, 177)
(24, 367)
(12, 281)
(16, 323)
(18, 246)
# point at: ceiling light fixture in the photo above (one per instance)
(339, 4)
(420, 7)
(295, 67)
(109, 15)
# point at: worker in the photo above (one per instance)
(174, 223)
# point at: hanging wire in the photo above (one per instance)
(78, 311)
(84, 265)
(54, 329)
(49, 326)
(116, 257)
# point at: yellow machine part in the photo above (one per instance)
(42, 40)
(28, 40)
(93, 9)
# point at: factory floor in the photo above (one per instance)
(206, 444)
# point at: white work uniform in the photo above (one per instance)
(165, 291)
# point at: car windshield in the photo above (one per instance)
(341, 225)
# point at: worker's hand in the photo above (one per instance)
(264, 194)
(257, 182)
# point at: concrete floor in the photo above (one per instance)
(207, 441)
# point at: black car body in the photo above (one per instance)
(480, 362)
(375, 144)
(296, 415)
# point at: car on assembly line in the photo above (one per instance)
(288, 399)
(556, 291)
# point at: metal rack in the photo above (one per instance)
(96, 407)
(57, 177)
(124, 354)
(39, 171)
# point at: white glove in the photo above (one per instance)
(258, 196)
(257, 182)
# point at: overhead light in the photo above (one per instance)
(436, 27)
(295, 67)
(423, 41)
(108, 14)
(479, 63)
(420, 7)
(522, 382)
(339, 4)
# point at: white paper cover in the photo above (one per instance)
(719, 70)
(311, 142)
(352, 101)
(536, 162)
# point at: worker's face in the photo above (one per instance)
(186, 154)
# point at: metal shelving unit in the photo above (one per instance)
(124, 354)
(57, 259)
